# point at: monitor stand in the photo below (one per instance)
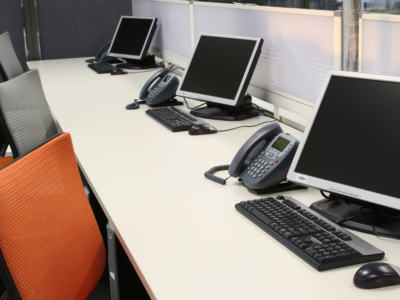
(344, 211)
(147, 62)
(227, 113)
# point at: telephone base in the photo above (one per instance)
(170, 102)
(284, 186)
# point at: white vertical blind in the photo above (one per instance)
(297, 51)
(173, 31)
(381, 47)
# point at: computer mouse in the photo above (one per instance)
(376, 275)
(202, 129)
(118, 72)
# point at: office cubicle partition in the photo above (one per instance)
(173, 35)
(300, 46)
(78, 28)
(11, 21)
(379, 44)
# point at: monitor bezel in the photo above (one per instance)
(334, 187)
(136, 57)
(208, 98)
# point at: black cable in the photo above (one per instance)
(246, 126)
(387, 215)
(192, 107)
(374, 229)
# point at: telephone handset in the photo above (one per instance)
(264, 160)
(164, 88)
(102, 56)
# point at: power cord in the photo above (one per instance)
(246, 126)
(193, 107)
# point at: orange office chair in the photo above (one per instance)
(50, 245)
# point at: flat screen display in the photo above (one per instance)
(131, 36)
(354, 140)
(218, 66)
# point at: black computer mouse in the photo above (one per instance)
(118, 72)
(202, 129)
(376, 275)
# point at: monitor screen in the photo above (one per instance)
(219, 67)
(349, 146)
(132, 37)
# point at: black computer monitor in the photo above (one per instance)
(219, 73)
(351, 148)
(132, 40)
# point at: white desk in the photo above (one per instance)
(181, 231)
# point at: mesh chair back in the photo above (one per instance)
(50, 244)
(10, 66)
(25, 115)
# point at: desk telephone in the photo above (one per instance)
(102, 56)
(162, 90)
(263, 161)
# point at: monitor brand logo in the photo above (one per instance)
(301, 178)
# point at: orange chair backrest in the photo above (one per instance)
(48, 234)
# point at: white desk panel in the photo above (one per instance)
(181, 231)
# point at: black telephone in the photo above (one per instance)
(162, 90)
(102, 56)
(263, 161)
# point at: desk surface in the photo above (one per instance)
(180, 230)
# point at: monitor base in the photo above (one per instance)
(227, 113)
(360, 217)
(147, 62)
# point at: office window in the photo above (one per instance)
(373, 6)
(308, 4)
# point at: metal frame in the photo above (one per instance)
(31, 30)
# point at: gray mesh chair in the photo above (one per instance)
(25, 116)
(10, 66)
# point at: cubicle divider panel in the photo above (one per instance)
(173, 31)
(11, 21)
(78, 28)
(298, 47)
(379, 44)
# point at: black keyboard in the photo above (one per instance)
(315, 239)
(102, 68)
(175, 119)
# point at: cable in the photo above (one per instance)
(143, 71)
(387, 215)
(183, 69)
(246, 126)
(192, 107)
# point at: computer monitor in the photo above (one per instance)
(350, 148)
(132, 40)
(219, 73)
